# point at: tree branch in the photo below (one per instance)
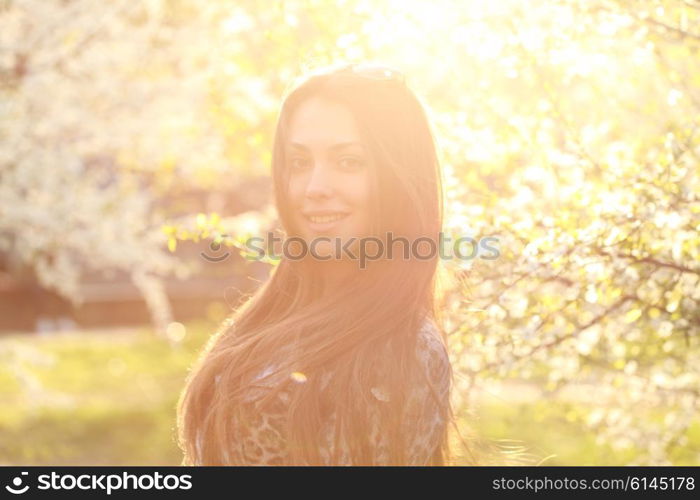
(649, 260)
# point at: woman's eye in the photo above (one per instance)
(350, 162)
(298, 163)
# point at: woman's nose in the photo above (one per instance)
(320, 183)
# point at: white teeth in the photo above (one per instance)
(325, 218)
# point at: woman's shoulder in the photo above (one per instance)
(432, 352)
(431, 342)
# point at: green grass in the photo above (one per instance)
(549, 433)
(108, 398)
(554, 432)
(93, 397)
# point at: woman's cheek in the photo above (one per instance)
(360, 194)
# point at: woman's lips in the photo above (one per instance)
(324, 223)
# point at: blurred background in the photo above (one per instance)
(134, 136)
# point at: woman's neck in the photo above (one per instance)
(336, 273)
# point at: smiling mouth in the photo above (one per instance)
(325, 219)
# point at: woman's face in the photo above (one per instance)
(329, 175)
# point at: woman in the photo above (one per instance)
(337, 359)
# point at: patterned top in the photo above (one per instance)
(259, 437)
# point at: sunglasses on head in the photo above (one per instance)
(373, 71)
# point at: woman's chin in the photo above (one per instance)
(322, 251)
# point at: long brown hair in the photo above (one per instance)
(344, 329)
